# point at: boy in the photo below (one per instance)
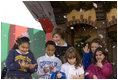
(49, 63)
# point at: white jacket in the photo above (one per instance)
(46, 61)
(70, 70)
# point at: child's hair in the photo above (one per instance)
(72, 53)
(50, 43)
(97, 40)
(59, 31)
(103, 52)
(21, 40)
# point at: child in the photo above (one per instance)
(88, 55)
(49, 63)
(73, 67)
(20, 62)
(100, 67)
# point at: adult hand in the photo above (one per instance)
(86, 49)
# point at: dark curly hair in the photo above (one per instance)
(21, 40)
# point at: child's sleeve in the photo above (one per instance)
(10, 61)
(40, 71)
(85, 60)
(107, 69)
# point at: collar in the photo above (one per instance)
(20, 52)
(65, 44)
(49, 56)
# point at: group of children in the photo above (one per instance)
(21, 63)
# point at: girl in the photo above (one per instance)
(73, 67)
(88, 55)
(61, 45)
(20, 62)
(100, 67)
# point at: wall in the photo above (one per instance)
(8, 31)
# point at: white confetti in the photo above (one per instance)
(72, 27)
(113, 63)
(81, 43)
(103, 22)
(95, 5)
(65, 16)
(86, 73)
(101, 46)
(95, 27)
(100, 35)
(80, 9)
(106, 49)
(113, 46)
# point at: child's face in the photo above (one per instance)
(72, 61)
(94, 46)
(24, 47)
(50, 49)
(57, 38)
(99, 56)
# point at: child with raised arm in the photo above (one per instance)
(73, 67)
(20, 62)
(48, 63)
(100, 67)
(89, 53)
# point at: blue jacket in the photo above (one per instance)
(87, 60)
(13, 61)
(54, 75)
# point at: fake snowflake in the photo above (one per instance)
(95, 5)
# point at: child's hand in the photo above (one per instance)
(86, 49)
(45, 70)
(23, 65)
(31, 66)
(95, 77)
(51, 67)
(59, 75)
(75, 76)
(99, 63)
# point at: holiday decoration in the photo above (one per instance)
(81, 42)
